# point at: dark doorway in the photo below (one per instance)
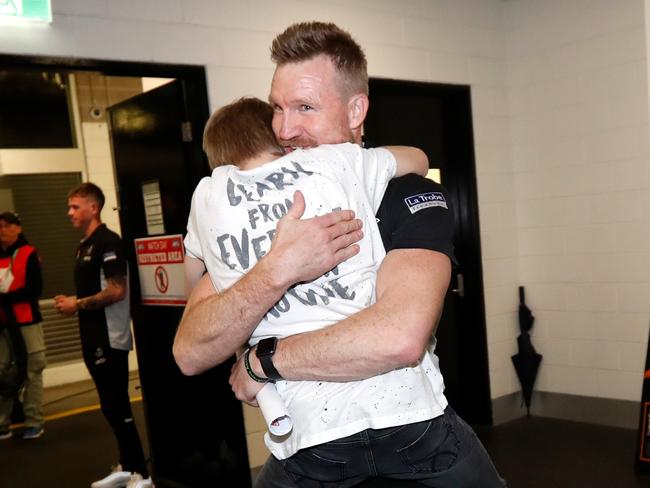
(437, 118)
(195, 425)
(149, 144)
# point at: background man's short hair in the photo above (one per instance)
(239, 131)
(306, 40)
(89, 190)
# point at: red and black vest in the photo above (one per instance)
(25, 312)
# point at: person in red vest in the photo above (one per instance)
(21, 285)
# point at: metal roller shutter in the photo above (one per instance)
(61, 335)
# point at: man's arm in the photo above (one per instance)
(114, 267)
(392, 333)
(214, 326)
(115, 291)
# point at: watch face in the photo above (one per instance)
(266, 347)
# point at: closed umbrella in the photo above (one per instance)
(527, 360)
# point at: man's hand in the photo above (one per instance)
(214, 326)
(65, 305)
(244, 387)
(310, 248)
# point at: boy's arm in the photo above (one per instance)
(409, 160)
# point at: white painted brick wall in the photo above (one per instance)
(577, 79)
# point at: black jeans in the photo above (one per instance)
(443, 452)
(110, 371)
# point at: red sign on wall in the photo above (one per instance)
(161, 270)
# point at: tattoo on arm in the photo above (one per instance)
(114, 292)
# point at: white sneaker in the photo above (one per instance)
(137, 481)
(117, 479)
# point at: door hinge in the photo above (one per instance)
(186, 130)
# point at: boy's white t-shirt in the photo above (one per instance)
(231, 225)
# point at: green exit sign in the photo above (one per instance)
(25, 11)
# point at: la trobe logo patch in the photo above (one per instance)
(425, 200)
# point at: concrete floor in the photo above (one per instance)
(529, 452)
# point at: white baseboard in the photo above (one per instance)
(73, 372)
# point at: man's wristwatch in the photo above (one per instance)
(264, 351)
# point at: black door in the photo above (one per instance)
(437, 119)
(195, 424)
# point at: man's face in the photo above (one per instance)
(81, 211)
(309, 108)
(9, 233)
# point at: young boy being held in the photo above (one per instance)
(233, 219)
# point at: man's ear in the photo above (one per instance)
(357, 110)
(94, 207)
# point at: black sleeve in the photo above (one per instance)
(33, 282)
(112, 257)
(415, 213)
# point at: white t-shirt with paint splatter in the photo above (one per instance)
(231, 225)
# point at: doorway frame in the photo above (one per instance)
(460, 180)
(195, 88)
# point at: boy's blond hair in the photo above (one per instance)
(239, 131)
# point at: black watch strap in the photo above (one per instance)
(264, 351)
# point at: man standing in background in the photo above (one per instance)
(102, 302)
(21, 284)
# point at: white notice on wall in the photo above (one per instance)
(153, 208)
